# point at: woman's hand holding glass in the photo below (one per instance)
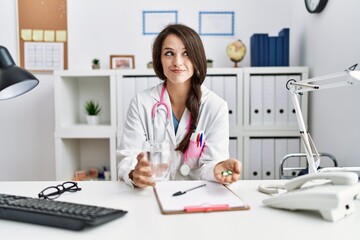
(228, 171)
(142, 174)
(153, 164)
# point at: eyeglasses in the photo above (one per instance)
(55, 191)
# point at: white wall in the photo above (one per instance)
(329, 43)
(100, 28)
(26, 122)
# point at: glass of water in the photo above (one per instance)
(159, 155)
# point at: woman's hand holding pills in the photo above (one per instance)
(228, 171)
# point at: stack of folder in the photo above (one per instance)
(270, 50)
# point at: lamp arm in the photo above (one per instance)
(326, 77)
(309, 145)
(339, 79)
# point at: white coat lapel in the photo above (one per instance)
(155, 92)
(183, 126)
(160, 116)
(170, 127)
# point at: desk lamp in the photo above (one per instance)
(340, 79)
(14, 81)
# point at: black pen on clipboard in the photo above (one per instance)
(183, 192)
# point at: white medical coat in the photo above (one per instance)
(138, 127)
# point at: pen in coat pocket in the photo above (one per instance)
(199, 139)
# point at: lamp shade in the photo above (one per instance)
(14, 81)
(355, 74)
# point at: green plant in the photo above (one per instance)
(95, 61)
(92, 108)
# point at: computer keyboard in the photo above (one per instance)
(55, 213)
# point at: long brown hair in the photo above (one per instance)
(196, 54)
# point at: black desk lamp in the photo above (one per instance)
(14, 81)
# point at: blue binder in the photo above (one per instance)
(272, 51)
(254, 50)
(279, 51)
(266, 50)
(285, 33)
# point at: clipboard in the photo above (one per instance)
(211, 198)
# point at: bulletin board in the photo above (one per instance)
(43, 34)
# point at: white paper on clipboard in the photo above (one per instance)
(213, 194)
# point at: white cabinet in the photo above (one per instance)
(270, 129)
(81, 146)
(129, 82)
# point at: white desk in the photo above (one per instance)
(144, 220)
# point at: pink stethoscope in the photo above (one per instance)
(185, 168)
(158, 104)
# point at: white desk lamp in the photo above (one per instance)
(340, 79)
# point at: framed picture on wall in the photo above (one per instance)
(155, 21)
(216, 23)
(122, 61)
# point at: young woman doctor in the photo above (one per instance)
(179, 60)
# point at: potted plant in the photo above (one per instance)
(93, 111)
(150, 64)
(95, 63)
(209, 63)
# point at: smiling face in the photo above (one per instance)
(176, 63)
(178, 55)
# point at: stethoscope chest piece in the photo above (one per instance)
(185, 169)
